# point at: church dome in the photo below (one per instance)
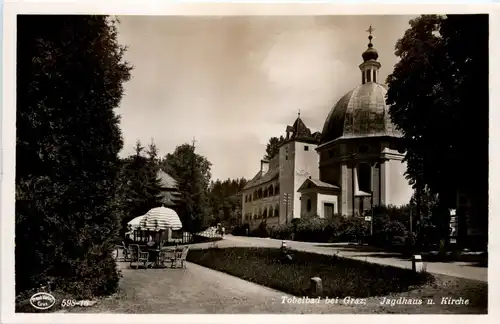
(362, 112)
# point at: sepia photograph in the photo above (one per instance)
(251, 164)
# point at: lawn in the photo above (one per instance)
(341, 277)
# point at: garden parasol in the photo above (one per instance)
(134, 223)
(160, 218)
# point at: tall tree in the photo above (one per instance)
(142, 190)
(225, 201)
(273, 147)
(192, 173)
(438, 94)
(70, 72)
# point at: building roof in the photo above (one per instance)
(167, 182)
(316, 183)
(261, 178)
(300, 132)
(362, 112)
(169, 198)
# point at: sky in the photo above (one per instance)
(231, 83)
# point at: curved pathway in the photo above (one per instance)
(197, 290)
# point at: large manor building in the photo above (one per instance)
(354, 161)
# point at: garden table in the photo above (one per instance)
(156, 254)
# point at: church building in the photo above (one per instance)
(356, 161)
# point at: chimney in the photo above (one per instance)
(264, 166)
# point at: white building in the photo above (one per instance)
(356, 159)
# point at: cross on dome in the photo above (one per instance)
(370, 30)
(370, 37)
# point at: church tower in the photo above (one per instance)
(298, 161)
(360, 149)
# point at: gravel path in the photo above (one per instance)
(199, 290)
(196, 290)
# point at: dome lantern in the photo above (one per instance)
(370, 66)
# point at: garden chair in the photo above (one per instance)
(182, 257)
(168, 256)
(126, 252)
(138, 256)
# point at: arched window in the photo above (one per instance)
(277, 211)
(271, 191)
(246, 198)
(264, 215)
(265, 192)
(309, 205)
(277, 189)
(254, 195)
(260, 193)
(364, 177)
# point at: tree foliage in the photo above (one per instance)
(141, 185)
(225, 201)
(273, 147)
(438, 93)
(70, 72)
(192, 173)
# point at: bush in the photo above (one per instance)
(351, 229)
(260, 231)
(282, 232)
(313, 230)
(241, 230)
(390, 227)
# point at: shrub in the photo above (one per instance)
(390, 226)
(240, 230)
(351, 229)
(313, 230)
(282, 232)
(260, 231)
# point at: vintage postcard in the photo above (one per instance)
(169, 162)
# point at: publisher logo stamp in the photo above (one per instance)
(42, 301)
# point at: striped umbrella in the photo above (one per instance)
(134, 223)
(161, 218)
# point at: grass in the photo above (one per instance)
(340, 277)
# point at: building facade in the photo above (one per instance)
(272, 194)
(354, 163)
